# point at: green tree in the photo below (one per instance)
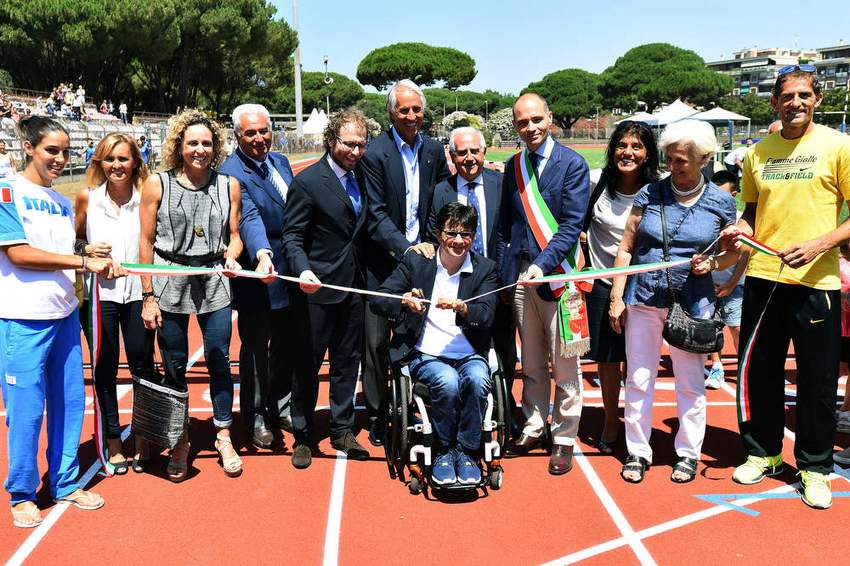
(343, 92)
(754, 107)
(422, 63)
(658, 73)
(6, 79)
(374, 106)
(833, 101)
(570, 93)
(481, 103)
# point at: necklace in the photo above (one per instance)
(197, 196)
(690, 192)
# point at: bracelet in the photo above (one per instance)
(146, 294)
(715, 265)
(80, 247)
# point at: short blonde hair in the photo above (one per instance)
(95, 175)
(172, 156)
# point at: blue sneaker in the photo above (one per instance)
(443, 471)
(715, 378)
(468, 472)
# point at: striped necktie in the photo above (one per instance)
(269, 174)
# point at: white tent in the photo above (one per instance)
(673, 112)
(314, 124)
(639, 117)
(718, 115)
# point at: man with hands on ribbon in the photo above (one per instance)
(794, 184)
(445, 345)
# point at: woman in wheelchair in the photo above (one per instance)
(445, 341)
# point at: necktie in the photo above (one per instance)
(353, 192)
(267, 173)
(472, 200)
(535, 160)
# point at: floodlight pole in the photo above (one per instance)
(844, 116)
(299, 118)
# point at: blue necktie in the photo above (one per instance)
(353, 192)
(472, 200)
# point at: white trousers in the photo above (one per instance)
(537, 321)
(643, 328)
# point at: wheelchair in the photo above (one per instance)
(410, 438)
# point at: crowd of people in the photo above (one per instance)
(64, 101)
(453, 251)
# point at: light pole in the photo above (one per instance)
(299, 125)
(486, 110)
(328, 81)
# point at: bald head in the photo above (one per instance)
(532, 120)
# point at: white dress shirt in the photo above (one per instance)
(410, 160)
(463, 198)
(442, 337)
(544, 152)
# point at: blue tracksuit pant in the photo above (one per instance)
(41, 362)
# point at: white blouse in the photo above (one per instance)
(118, 225)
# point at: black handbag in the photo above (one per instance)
(683, 331)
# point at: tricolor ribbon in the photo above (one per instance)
(94, 331)
(756, 245)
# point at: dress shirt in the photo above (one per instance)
(543, 153)
(463, 198)
(410, 160)
(441, 336)
(276, 179)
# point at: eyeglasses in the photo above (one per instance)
(792, 68)
(351, 146)
(452, 234)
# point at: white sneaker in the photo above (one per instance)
(715, 378)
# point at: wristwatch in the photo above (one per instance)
(146, 294)
(715, 265)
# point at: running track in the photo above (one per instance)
(351, 512)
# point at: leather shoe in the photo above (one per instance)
(376, 433)
(348, 443)
(262, 437)
(302, 456)
(561, 460)
(285, 424)
(525, 443)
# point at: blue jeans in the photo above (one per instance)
(216, 328)
(458, 396)
(41, 363)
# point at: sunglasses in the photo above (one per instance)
(452, 234)
(803, 68)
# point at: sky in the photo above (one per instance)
(514, 45)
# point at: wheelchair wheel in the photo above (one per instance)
(404, 433)
(415, 486)
(502, 412)
(391, 440)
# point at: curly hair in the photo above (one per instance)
(340, 119)
(95, 175)
(172, 156)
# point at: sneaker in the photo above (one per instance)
(443, 470)
(842, 457)
(715, 378)
(468, 472)
(842, 424)
(756, 468)
(816, 491)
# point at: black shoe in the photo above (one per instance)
(376, 432)
(348, 443)
(302, 456)
(285, 423)
(262, 437)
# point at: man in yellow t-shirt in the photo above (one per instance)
(794, 184)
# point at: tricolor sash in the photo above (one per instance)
(94, 332)
(572, 314)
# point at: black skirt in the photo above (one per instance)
(605, 344)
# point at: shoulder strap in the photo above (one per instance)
(666, 249)
(594, 196)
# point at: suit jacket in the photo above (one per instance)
(446, 192)
(261, 227)
(416, 271)
(384, 172)
(322, 232)
(565, 187)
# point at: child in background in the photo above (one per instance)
(843, 424)
(728, 285)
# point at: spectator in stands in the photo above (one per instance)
(122, 112)
(631, 162)
(104, 109)
(145, 149)
(7, 163)
(77, 105)
(89, 153)
(107, 225)
(695, 212)
(40, 352)
(203, 231)
(110, 108)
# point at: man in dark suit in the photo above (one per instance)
(324, 238)
(563, 182)
(481, 188)
(401, 168)
(265, 320)
(445, 344)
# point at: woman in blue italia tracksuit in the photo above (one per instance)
(40, 353)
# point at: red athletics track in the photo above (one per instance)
(351, 512)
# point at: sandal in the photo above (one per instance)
(142, 455)
(634, 464)
(26, 516)
(232, 465)
(87, 500)
(178, 465)
(687, 466)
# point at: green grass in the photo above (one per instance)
(595, 156)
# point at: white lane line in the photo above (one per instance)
(52, 518)
(332, 531)
(613, 510)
